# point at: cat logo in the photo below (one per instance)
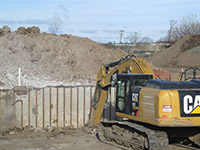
(191, 105)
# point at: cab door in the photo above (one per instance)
(122, 98)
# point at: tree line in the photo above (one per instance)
(189, 24)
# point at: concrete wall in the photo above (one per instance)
(50, 106)
(140, 46)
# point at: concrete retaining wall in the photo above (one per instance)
(50, 106)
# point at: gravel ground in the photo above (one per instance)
(55, 139)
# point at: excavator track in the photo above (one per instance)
(196, 139)
(128, 135)
(185, 146)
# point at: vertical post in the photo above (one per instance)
(22, 114)
(50, 106)
(57, 103)
(77, 106)
(6, 107)
(0, 100)
(43, 109)
(29, 112)
(6, 98)
(84, 107)
(36, 108)
(19, 79)
(15, 120)
(63, 106)
(90, 98)
(70, 106)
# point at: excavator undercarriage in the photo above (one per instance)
(129, 135)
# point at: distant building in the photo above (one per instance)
(125, 44)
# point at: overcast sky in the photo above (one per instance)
(100, 20)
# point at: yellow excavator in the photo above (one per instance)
(150, 112)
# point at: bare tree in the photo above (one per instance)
(189, 24)
(133, 37)
(138, 38)
(163, 39)
(172, 24)
(146, 39)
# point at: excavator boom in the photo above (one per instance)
(107, 76)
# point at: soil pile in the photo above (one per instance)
(49, 59)
(184, 53)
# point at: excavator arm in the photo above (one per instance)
(107, 76)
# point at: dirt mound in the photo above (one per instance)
(4, 30)
(49, 59)
(22, 30)
(181, 54)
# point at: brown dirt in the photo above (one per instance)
(50, 139)
(55, 139)
(49, 59)
(184, 53)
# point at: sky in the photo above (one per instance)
(99, 20)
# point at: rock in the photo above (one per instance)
(33, 30)
(21, 30)
(12, 132)
(1, 83)
(6, 29)
(35, 56)
(1, 32)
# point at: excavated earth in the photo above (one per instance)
(50, 59)
(184, 53)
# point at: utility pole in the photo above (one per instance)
(135, 38)
(121, 34)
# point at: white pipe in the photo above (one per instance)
(19, 79)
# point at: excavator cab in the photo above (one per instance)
(128, 88)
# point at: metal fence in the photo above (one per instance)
(161, 74)
(50, 106)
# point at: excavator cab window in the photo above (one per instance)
(138, 83)
(126, 85)
(121, 94)
(121, 88)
